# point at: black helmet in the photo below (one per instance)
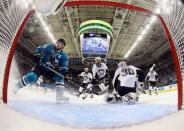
(61, 41)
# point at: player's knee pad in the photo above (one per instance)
(30, 78)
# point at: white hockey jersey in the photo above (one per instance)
(126, 76)
(100, 71)
(87, 77)
(152, 76)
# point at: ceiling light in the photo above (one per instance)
(142, 34)
(45, 27)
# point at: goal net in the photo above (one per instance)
(173, 14)
(13, 14)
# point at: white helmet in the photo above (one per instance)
(98, 59)
(86, 69)
(122, 63)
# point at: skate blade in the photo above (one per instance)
(62, 102)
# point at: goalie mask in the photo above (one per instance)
(122, 64)
(98, 61)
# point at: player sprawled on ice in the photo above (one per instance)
(125, 84)
(52, 63)
(86, 83)
(152, 78)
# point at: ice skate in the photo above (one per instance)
(84, 97)
(91, 96)
(150, 93)
(78, 94)
(156, 92)
(60, 98)
(110, 98)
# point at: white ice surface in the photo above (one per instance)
(92, 113)
(34, 111)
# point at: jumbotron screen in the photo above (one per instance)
(95, 45)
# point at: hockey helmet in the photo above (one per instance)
(86, 69)
(122, 63)
(98, 61)
(61, 41)
(60, 44)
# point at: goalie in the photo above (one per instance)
(124, 83)
(48, 58)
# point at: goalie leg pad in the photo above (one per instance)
(130, 98)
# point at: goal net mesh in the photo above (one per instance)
(173, 15)
(12, 13)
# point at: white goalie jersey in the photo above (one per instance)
(87, 77)
(126, 76)
(100, 71)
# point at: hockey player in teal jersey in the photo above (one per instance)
(46, 57)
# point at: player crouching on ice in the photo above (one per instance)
(152, 78)
(124, 83)
(100, 74)
(86, 83)
(51, 63)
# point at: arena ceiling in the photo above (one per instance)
(127, 26)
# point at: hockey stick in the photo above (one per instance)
(87, 90)
(152, 67)
(56, 72)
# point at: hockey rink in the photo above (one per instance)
(32, 109)
(92, 113)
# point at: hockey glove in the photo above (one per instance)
(37, 58)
